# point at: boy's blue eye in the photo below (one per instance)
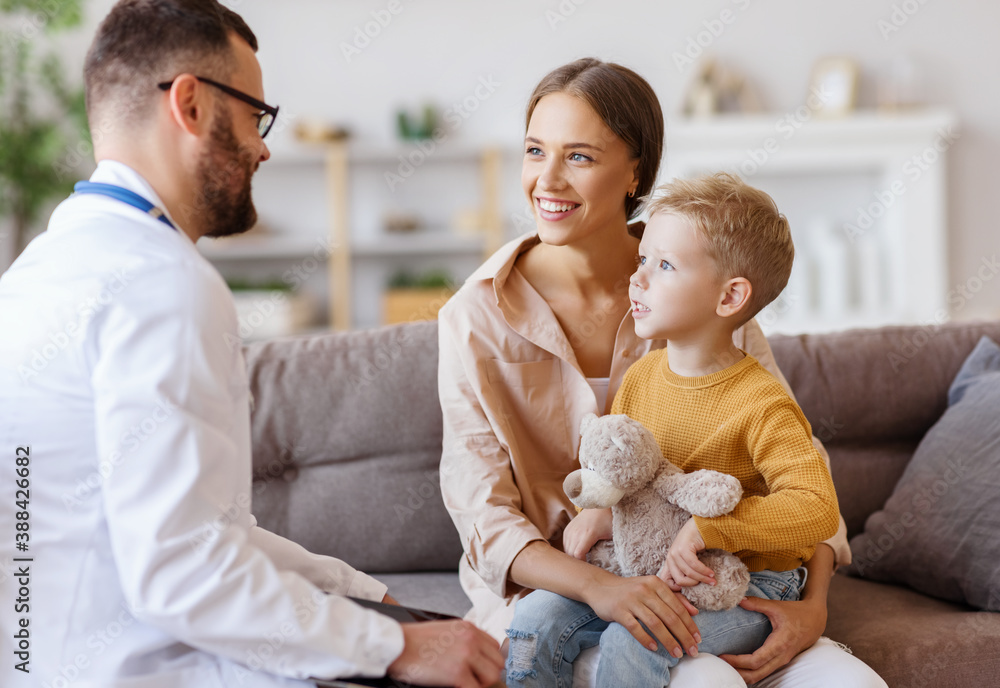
(641, 260)
(665, 265)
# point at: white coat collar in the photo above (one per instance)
(120, 174)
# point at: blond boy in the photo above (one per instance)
(714, 252)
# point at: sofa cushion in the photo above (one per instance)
(884, 384)
(434, 591)
(864, 475)
(939, 532)
(913, 640)
(871, 395)
(347, 438)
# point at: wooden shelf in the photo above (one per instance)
(419, 243)
(339, 161)
(300, 153)
(263, 247)
(343, 165)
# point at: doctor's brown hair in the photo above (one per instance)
(142, 43)
(625, 102)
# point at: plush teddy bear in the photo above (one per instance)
(650, 499)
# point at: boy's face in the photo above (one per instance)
(675, 289)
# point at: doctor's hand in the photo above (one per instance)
(447, 653)
(584, 531)
(683, 568)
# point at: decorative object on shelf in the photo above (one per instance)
(411, 129)
(314, 131)
(270, 309)
(400, 222)
(899, 84)
(717, 88)
(852, 172)
(832, 264)
(871, 271)
(419, 297)
(468, 222)
(357, 233)
(833, 86)
(39, 151)
(432, 279)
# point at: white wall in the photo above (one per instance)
(438, 50)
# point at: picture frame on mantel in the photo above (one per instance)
(833, 86)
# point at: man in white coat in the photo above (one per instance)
(124, 409)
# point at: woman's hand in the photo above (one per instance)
(796, 626)
(682, 567)
(586, 530)
(646, 599)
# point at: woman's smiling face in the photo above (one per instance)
(576, 171)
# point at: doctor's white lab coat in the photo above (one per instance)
(121, 373)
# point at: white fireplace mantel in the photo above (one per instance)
(866, 198)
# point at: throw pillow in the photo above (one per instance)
(939, 532)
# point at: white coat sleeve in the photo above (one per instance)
(326, 573)
(172, 425)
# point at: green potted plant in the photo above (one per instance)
(44, 118)
(416, 297)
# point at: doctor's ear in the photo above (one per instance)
(735, 297)
(190, 104)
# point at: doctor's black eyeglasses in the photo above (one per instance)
(265, 119)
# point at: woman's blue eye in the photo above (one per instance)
(579, 157)
(533, 150)
(665, 265)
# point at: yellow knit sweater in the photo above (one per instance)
(740, 421)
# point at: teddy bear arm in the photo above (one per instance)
(703, 493)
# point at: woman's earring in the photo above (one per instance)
(631, 193)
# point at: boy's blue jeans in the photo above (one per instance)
(549, 631)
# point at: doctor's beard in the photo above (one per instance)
(225, 174)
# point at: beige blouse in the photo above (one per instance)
(513, 396)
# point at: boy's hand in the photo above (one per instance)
(683, 568)
(586, 530)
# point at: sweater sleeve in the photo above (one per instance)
(800, 507)
(752, 340)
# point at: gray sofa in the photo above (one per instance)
(347, 438)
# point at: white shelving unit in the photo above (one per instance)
(325, 205)
(866, 197)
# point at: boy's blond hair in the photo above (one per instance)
(741, 228)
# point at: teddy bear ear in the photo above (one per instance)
(588, 420)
